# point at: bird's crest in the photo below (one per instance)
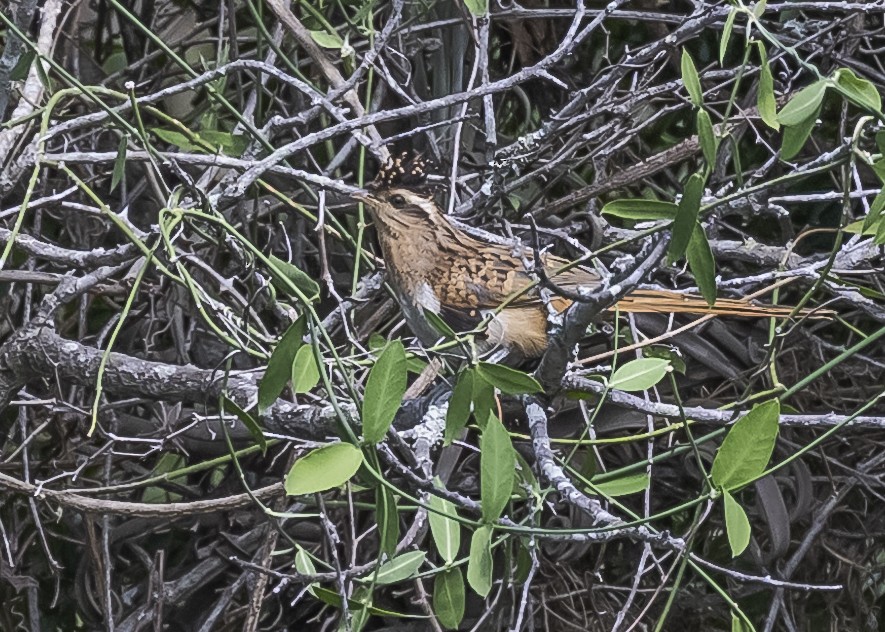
(409, 170)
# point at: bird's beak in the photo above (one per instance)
(361, 195)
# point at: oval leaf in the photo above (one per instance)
(859, 90)
(640, 210)
(624, 486)
(726, 34)
(803, 104)
(691, 80)
(702, 265)
(440, 325)
(120, 162)
(747, 447)
(508, 380)
(640, 374)
(876, 208)
(384, 391)
(445, 529)
(736, 525)
(303, 563)
(448, 598)
(796, 135)
(327, 40)
(323, 468)
(496, 466)
(400, 568)
(175, 138)
(479, 566)
(707, 138)
(484, 402)
(687, 216)
(460, 405)
(765, 100)
(477, 7)
(285, 276)
(305, 373)
(279, 366)
(356, 606)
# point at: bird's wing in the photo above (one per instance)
(495, 275)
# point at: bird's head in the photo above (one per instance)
(400, 192)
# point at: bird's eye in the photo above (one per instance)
(397, 200)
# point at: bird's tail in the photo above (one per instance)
(663, 301)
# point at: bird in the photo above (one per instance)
(434, 265)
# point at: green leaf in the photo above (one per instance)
(445, 528)
(166, 465)
(332, 598)
(508, 380)
(738, 625)
(415, 364)
(524, 477)
(248, 421)
(875, 211)
(736, 525)
(21, 69)
(305, 372)
(639, 374)
(477, 7)
(460, 405)
(726, 34)
(624, 486)
(702, 265)
(232, 144)
(640, 210)
(880, 141)
(524, 561)
(860, 227)
(327, 40)
(496, 466)
(285, 275)
(384, 391)
(858, 90)
(479, 565)
(303, 563)
(176, 139)
(759, 8)
(400, 568)
(484, 402)
(305, 566)
(120, 162)
(448, 598)
(323, 468)
(878, 168)
(879, 239)
(747, 447)
(279, 366)
(691, 80)
(686, 217)
(796, 135)
(804, 104)
(765, 99)
(707, 138)
(440, 325)
(387, 515)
